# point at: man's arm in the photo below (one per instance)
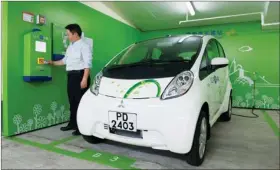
(57, 63)
(86, 74)
(87, 58)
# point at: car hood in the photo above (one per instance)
(133, 88)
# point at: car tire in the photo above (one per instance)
(92, 139)
(227, 115)
(196, 156)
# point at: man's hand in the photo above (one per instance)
(55, 63)
(83, 83)
(85, 78)
(50, 62)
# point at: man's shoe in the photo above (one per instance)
(66, 128)
(76, 133)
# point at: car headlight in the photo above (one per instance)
(179, 85)
(96, 83)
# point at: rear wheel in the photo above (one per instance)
(227, 115)
(92, 139)
(196, 156)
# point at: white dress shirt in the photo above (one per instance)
(78, 56)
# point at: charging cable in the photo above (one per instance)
(254, 96)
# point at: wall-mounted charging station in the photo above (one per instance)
(37, 50)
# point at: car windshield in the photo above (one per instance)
(158, 51)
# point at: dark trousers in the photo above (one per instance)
(75, 94)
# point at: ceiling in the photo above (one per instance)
(272, 14)
(147, 16)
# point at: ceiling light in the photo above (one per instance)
(190, 8)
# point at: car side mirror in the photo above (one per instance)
(219, 62)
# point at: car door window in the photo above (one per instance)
(221, 51)
(204, 67)
(212, 50)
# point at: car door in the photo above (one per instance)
(209, 79)
(222, 74)
(213, 82)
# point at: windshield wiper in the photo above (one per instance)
(147, 62)
(131, 65)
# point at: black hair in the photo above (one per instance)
(74, 28)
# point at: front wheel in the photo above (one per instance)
(227, 115)
(196, 156)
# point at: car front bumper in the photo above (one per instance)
(163, 124)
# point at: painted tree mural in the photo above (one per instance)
(17, 120)
(39, 120)
(37, 109)
(248, 97)
(58, 116)
(53, 109)
(30, 123)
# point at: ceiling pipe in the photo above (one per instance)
(190, 8)
(268, 24)
(187, 18)
(219, 17)
(266, 5)
(230, 16)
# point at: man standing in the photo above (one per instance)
(78, 61)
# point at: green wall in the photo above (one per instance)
(261, 56)
(29, 106)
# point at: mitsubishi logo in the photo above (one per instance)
(121, 105)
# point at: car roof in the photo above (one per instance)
(204, 37)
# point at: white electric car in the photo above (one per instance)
(164, 93)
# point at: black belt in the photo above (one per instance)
(75, 71)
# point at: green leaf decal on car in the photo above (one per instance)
(137, 85)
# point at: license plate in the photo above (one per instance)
(123, 121)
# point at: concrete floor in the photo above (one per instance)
(238, 144)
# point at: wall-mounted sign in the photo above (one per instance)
(40, 20)
(28, 17)
(217, 33)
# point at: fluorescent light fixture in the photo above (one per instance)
(190, 8)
